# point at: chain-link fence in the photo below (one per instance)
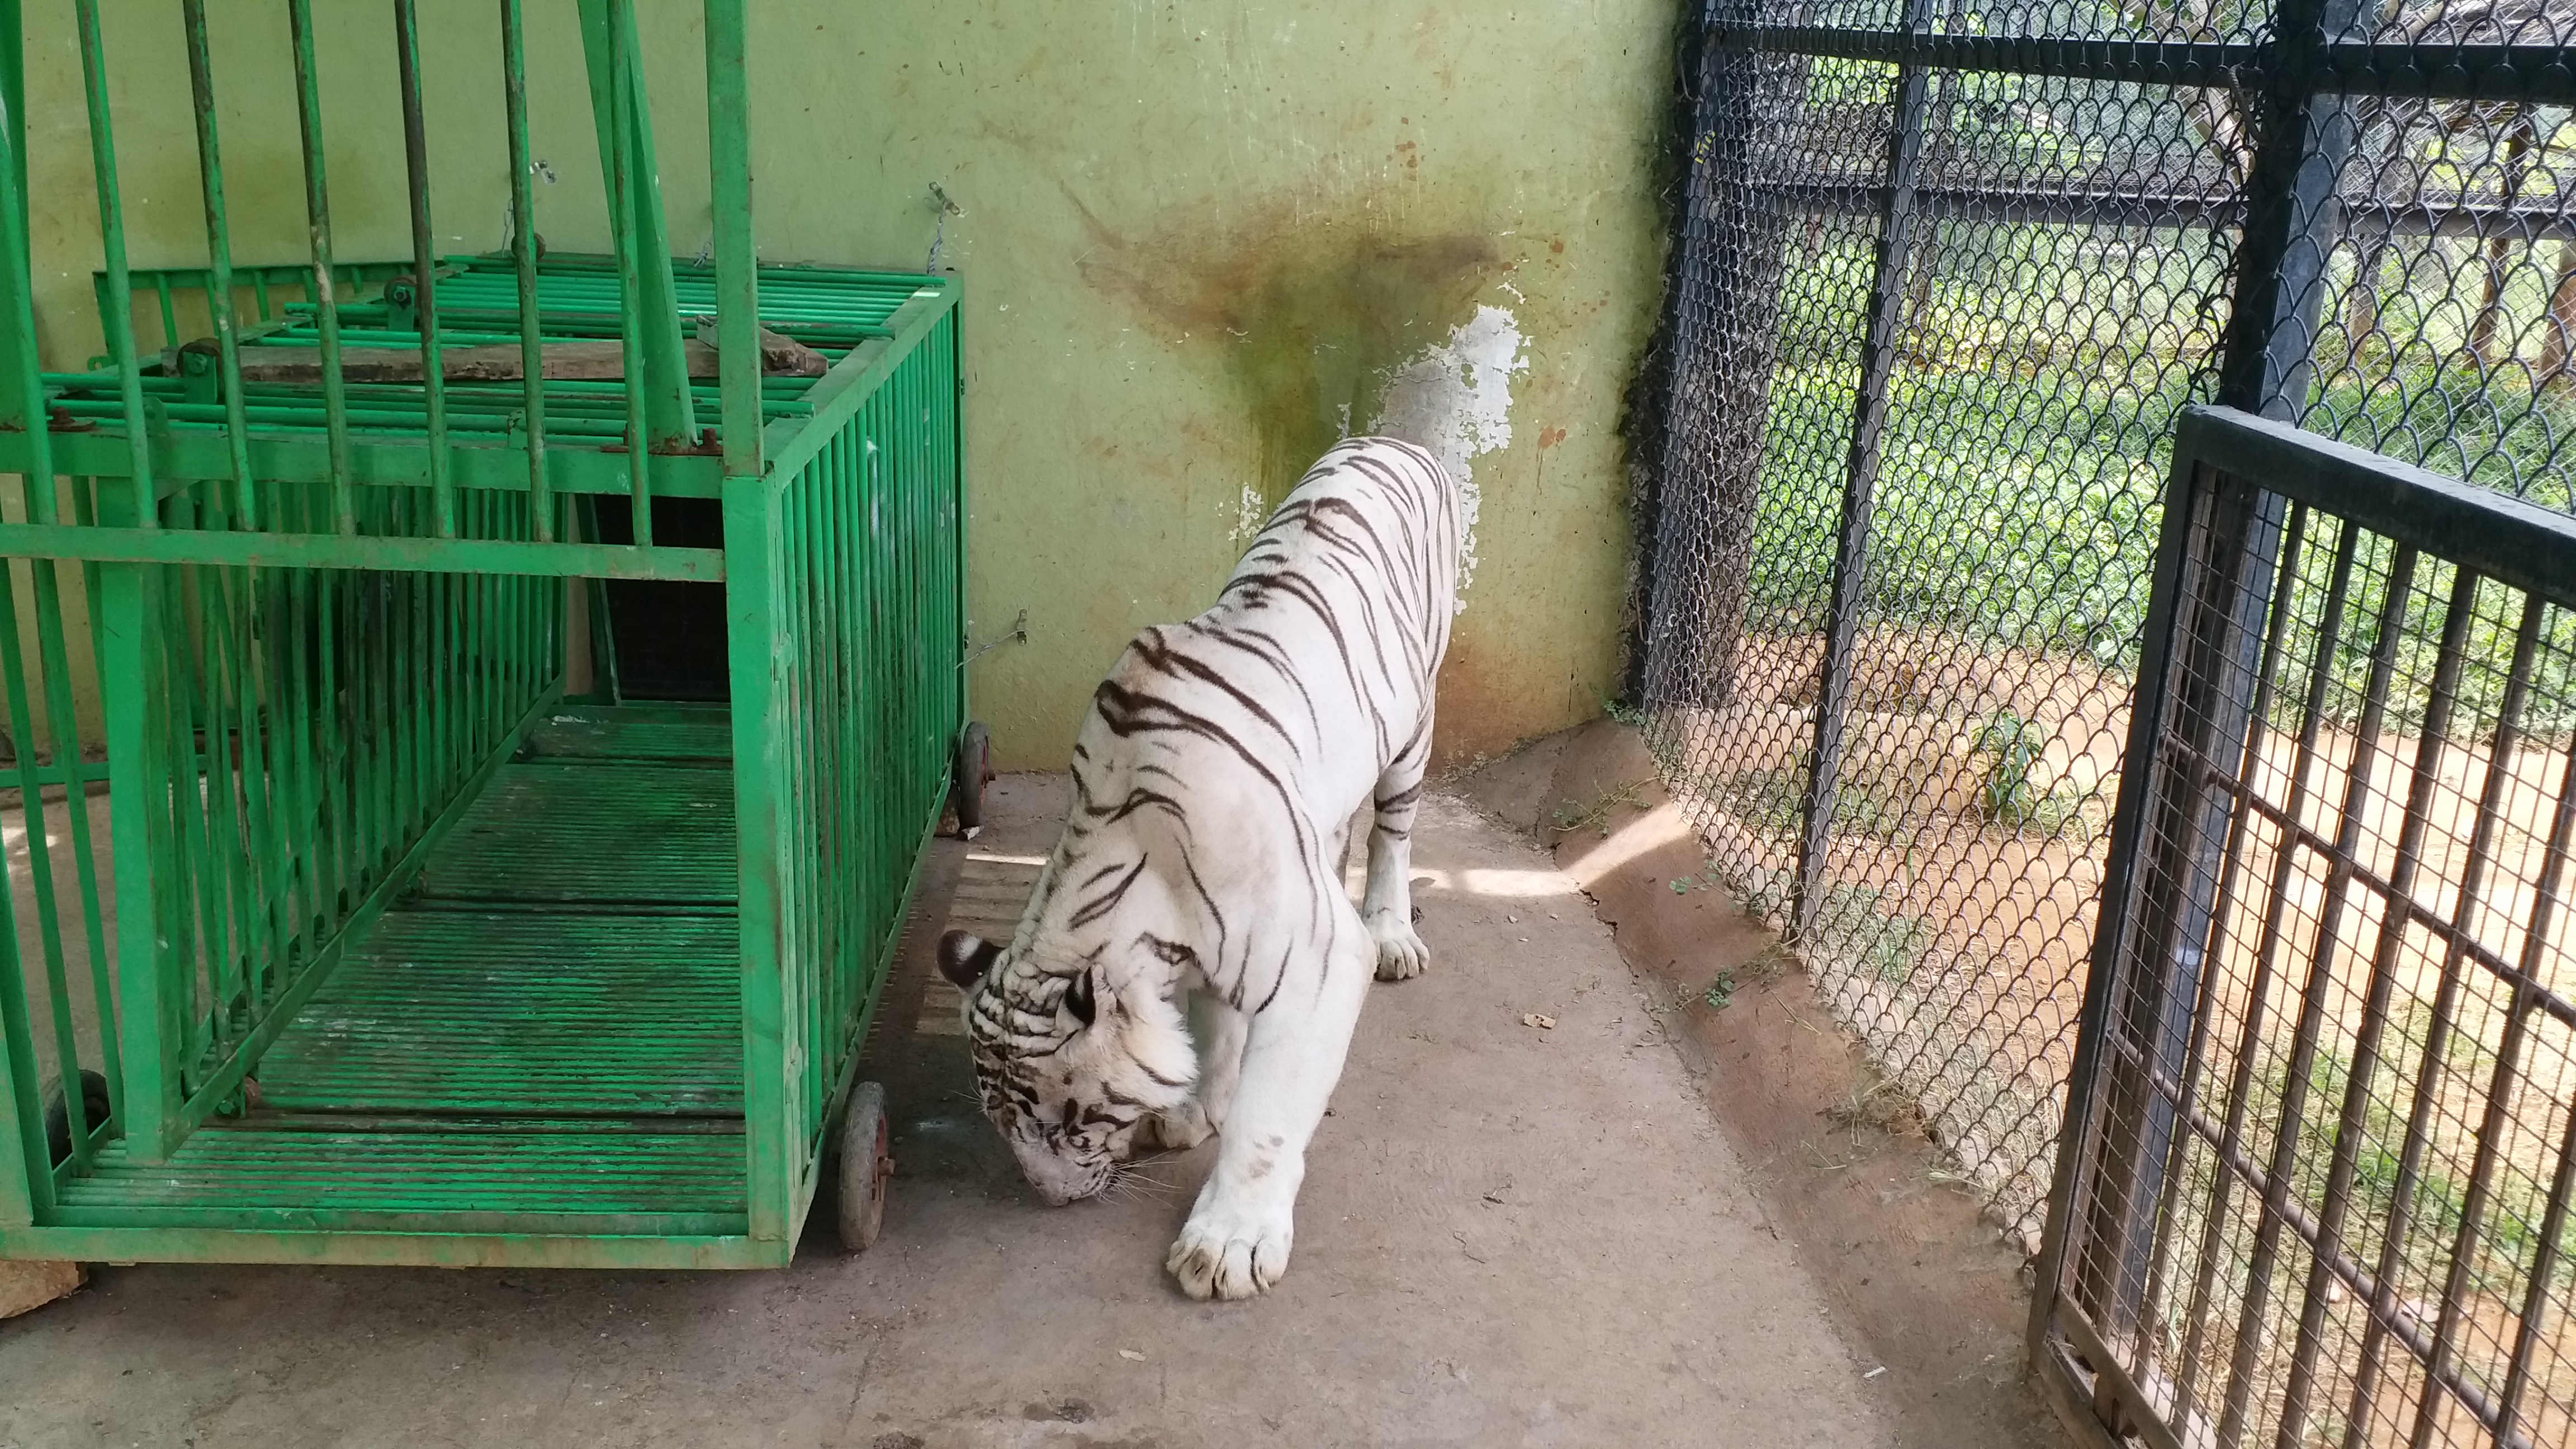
(1949, 270)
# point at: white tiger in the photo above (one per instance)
(1201, 862)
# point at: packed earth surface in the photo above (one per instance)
(1532, 1217)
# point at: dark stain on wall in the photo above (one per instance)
(1312, 315)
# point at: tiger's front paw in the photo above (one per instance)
(1400, 952)
(1179, 1130)
(1224, 1254)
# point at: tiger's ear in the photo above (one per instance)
(964, 957)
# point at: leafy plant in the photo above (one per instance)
(1573, 815)
(2011, 746)
(1622, 712)
(1707, 878)
(1775, 800)
(1889, 944)
(2020, 490)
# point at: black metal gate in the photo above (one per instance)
(2324, 1093)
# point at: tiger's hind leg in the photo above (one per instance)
(1217, 1029)
(1387, 905)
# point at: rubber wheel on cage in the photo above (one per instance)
(58, 1114)
(866, 1161)
(974, 772)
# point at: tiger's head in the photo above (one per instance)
(1070, 1056)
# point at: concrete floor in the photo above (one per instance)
(1509, 1235)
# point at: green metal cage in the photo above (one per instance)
(346, 924)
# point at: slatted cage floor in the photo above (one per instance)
(543, 1035)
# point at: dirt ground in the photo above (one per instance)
(1916, 1273)
(1645, 1224)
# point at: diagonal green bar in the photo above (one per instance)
(242, 771)
(26, 1183)
(103, 997)
(424, 253)
(23, 408)
(120, 287)
(219, 264)
(523, 256)
(13, 94)
(64, 722)
(613, 103)
(18, 348)
(325, 285)
(40, 865)
(609, 37)
(227, 870)
(18, 360)
(194, 876)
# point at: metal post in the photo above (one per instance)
(1878, 358)
(737, 273)
(755, 614)
(140, 790)
(1711, 468)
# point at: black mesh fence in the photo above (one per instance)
(2323, 1173)
(1949, 273)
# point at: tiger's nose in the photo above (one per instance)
(1054, 1183)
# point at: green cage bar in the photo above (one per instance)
(356, 935)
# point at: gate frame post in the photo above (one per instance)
(149, 1001)
(2204, 632)
(2120, 870)
(2293, 220)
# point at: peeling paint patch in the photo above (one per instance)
(1455, 398)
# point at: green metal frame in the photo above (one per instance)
(319, 626)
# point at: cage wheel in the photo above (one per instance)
(974, 772)
(865, 1164)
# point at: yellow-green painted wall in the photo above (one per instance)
(1196, 237)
